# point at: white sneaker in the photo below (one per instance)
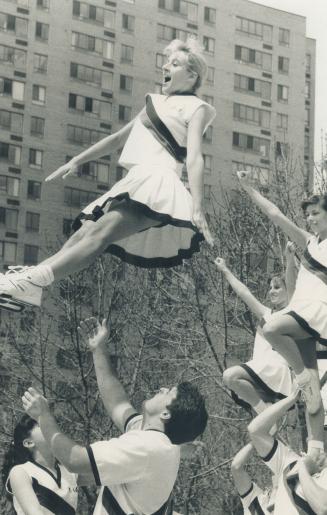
(310, 393)
(17, 289)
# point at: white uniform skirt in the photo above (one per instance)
(160, 195)
(311, 315)
(273, 379)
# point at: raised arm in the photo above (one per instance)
(241, 478)
(195, 170)
(101, 148)
(241, 290)
(113, 394)
(291, 270)
(260, 427)
(299, 236)
(21, 488)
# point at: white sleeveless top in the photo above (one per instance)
(175, 112)
(311, 283)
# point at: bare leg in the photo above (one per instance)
(121, 222)
(239, 381)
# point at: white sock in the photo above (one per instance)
(41, 275)
(303, 377)
(315, 444)
(261, 406)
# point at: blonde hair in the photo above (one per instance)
(195, 60)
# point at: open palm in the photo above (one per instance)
(96, 333)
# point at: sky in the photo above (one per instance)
(315, 12)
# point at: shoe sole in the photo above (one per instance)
(10, 303)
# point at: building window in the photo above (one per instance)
(307, 117)
(10, 23)
(12, 88)
(282, 93)
(282, 121)
(89, 12)
(160, 60)
(30, 254)
(79, 198)
(284, 37)
(15, 56)
(252, 115)
(9, 185)
(209, 99)
(9, 218)
(40, 63)
(209, 15)
(283, 64)
(124, 113)
(258, 173)
(38, 94)
(252, 86)
(209, 45)
(10, 153)
(126, 83)
(207, 138)
(307, 90)
(91, 76)
(207, 191)
(306, 144)
(32, 223)
(128, 22)
(43, 4)
(208, 160)
(35, 158)
(92, 44)
(34, 190)
(8, 251)
(254, 28)
(247, 142)
(253, 57)
(41, 31)
(83, 136)
(11, 121)
(94, 171)
(168, 33)
(127, 54)
(308, 63)
(67, 226)
(211, 75)
(37, 126)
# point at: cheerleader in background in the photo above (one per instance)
(148, 218)
(36, 483)
(267, 376)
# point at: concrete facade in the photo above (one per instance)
(72, 72)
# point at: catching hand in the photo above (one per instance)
(199, 220)
(34, 403)
(64, 170)
(96, 333)
(244, 177)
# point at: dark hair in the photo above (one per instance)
(188, 415)
(17, 453)
(314, 200)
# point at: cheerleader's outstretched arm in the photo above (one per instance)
(101, 148)
(241, 290)
(242, 480)
(195, 170)
(295, 233)
(291, 270)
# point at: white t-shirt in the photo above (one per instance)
(56, 494)
(139, 468)
(255, 501)
(290, 499)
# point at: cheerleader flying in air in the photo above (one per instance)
(267, 376)
(148, 218)
(293, 332)
(36, 483)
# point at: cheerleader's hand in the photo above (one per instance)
(96, 332)
(244, 177)
(64, 170)
(290, 249)
(199, 220)
(221, 264)
(34, 403)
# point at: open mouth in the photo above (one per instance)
(166, 79)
